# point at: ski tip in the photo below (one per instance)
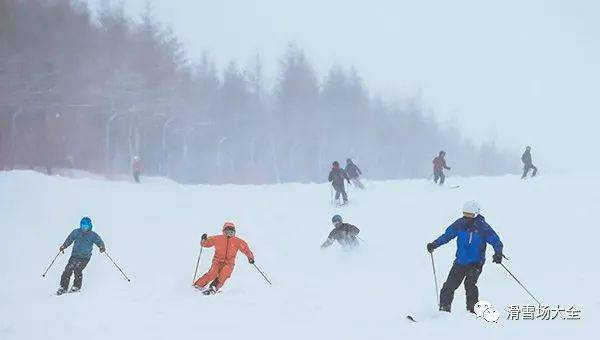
(410, 318)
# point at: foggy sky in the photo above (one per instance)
(522, 72)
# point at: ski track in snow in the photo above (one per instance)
(153, 231)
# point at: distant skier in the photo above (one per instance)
(354, 173)
(226, 248)
(471, 233)
(527, 163)
(344, 233)
(84, 239)
(336, 177)
(136, 168)
(439, 164)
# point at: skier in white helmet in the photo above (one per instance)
(472, 233)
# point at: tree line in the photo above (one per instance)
(91, 90)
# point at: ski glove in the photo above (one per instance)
(204, 237)
(430, 247)
(251, 261)
(497, 258)
(62, 248)
(102, 249)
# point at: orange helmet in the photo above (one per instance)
(229, 229)
(228, 225)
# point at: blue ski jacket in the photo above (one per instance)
(84, 242)
(471, 240)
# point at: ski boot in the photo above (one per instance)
(61, 291)
(199, 288)
(210, 291)
(445, 308)
(74, 289)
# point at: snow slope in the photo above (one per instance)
(152, 230)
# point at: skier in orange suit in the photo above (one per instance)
(226, 248)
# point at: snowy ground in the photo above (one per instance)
(548, 227)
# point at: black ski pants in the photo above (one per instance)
(339, 189)
(526, 169)
(75, 265)
(469, 273)
(439, 175)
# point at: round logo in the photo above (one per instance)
(480, 307)
(491, 315)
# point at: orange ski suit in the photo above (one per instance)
(226, 249)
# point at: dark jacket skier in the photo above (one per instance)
(344, 233)
(528, 163)
(352, 170)
(337, 176)
(439, 164)
(84, 239)
(354, 173)
(472, 233)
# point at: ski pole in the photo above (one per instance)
(261, 273)
(331, 196)
(197, 264)
(51, 263)
(116, 265)
(519, 282)
(435, 280)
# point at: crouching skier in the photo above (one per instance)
(226, 248)
(84, 239)
(344, 233)
(471, 233)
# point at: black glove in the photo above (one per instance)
(430, 247)
(204, 237)
(251, 261)
(497, 258)
(102, 249)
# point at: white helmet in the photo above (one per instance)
(471, 209)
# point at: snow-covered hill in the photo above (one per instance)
(153, 230)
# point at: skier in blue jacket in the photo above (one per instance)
(472, 233)
(84, 239)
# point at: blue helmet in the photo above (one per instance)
(85, 224)
(336, 219)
